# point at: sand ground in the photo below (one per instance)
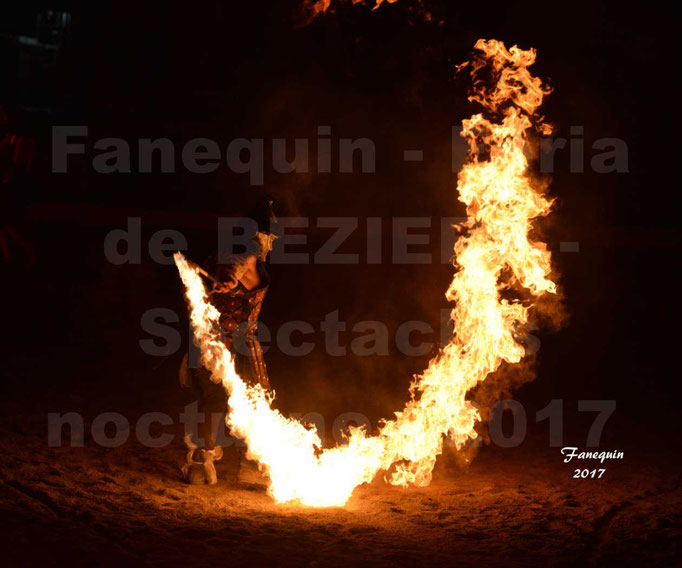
(127, 506)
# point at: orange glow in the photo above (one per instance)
(317, 7)
(493, 254)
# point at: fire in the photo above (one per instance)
(317, 7)
(494, 253)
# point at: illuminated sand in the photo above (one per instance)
(516, 507)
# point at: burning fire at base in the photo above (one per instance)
(493, 254)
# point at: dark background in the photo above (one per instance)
(252, 69)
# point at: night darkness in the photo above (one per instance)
(76, 324)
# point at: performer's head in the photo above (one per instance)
(266, 220)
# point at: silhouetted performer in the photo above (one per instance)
(240, 282)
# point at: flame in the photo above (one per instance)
(380, 2)
(317, 7)
(493, 254)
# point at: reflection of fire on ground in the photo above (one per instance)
(520, 507)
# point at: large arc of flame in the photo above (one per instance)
(493, 253)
